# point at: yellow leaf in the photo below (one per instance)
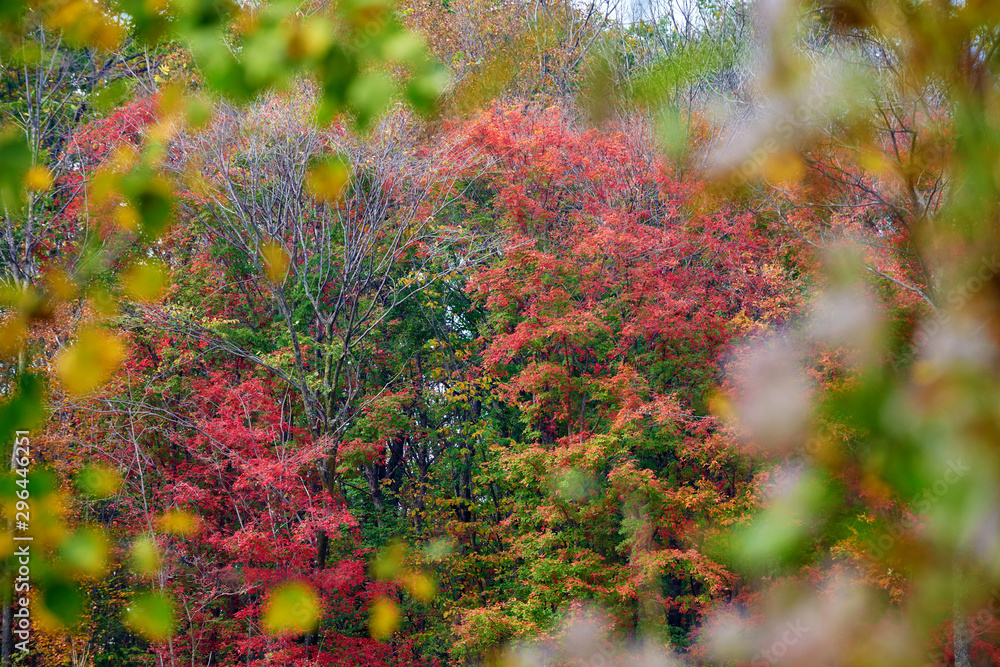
(721, 406)
(145, 556)
(106, 35)
(178, 522)
(383, 618)
(420, 586)
(102, 302)
(172, 98)
(12, 332)
(389, 561)
(199, 113)
(127, 218)
(59, 284)
(146, 281)
(275, 261)
(89, 362)
(291, 610)
(105, 183)
(124, 158)
(875, 161)
(327, 181)
(86, 550)
(38, 179)
(784, 167)
(68, 14)
(309, 39)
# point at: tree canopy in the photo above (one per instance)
(506, 332)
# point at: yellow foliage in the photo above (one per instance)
(126, 218)
(12, 333)
(59, 284)
(179, 522)
(90, 361)
(86, 551)
(420, 586)
(389, 562)
(38, 179)
(275, 261)
(292, 609)
(328, 180)
(785, 168)
(383, 619)
(145, 556)
(146, 281)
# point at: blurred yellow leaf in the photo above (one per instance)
(404, 47)
(146, 281)
(383, 619)
(38, 179)
(160, 133)
(89, 362)
(104, 184)
(199, 113)
(389, 561)
(69, 13)
(327, 181)
(245, 21)
(275, 261)
(784, 167)
(876, 161)
(126, 218)
(364, 12)
(719, 404)
(292, 609)
(59, 284)
(102, 302)
(145, 556)
(86, 550)
(171, 99)
(12, 332)
(178, 522)
(124, 158)
(85, 22)
(420, 586)
(308, 39)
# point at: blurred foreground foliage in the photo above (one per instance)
(652, 338)
(66, 277)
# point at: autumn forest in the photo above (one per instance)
(500, 333)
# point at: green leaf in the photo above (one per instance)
(369, 95)
(64, 601)
(151, 615)
(111, 94)
(15, 160)
(86, 550)
(22, 412)
(98, 481)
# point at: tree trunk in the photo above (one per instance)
(322, 546)
(960, 624)
(8, 624)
